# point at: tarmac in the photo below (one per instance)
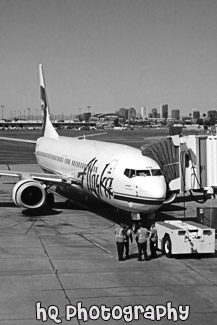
(68, 256)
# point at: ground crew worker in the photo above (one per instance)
(141, 238)
(128, 238)
(153, 240)
(135, 226)
(119, 237)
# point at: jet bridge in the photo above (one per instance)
(188, 163)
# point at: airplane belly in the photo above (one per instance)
(136, 203)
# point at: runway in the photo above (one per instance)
(68, 256)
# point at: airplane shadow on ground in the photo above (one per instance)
(40, 212)
(201, 197)
(73, 200)
(7, 205)
(76, 202)
(172, 207)
(195, 256)
(92, 204)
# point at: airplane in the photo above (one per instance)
(114, 173)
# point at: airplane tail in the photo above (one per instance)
(47, 127)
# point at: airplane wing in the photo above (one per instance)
(35, 141)
(31, 190)
(46, 178)
(19, 140)
(53, 179)
(81, 137)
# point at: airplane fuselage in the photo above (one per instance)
(117, 174)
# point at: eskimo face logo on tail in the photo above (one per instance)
(43, 106)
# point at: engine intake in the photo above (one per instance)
(29, 194)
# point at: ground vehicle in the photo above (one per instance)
(180, 237)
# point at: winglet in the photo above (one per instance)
(47, 128)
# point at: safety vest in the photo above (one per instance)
(119, 234)
(142, 234)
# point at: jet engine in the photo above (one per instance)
(29, 194)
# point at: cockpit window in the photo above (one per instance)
(156, 172)
(132, 172)
(142, 172)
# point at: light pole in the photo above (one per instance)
(2, 106)
(28, 114)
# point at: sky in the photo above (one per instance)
(108, 54)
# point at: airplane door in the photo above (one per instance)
(66, 163)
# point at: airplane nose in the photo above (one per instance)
(154, 188)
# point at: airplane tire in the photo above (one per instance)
(167, 246)
(50, 200)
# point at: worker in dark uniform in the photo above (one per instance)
(128, 237)
(135, 226)
(153, 240)
(119, 237)
(142, 235)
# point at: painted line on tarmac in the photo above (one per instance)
(93, 242)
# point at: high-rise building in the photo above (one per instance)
(86, 116)
(165, 111)
(123, 112)
(154, 112)
(131, 113)
(175, 114)
(196, 114)
(212, 114)
(144, 112)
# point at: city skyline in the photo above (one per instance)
(108, 54)
(164, 112)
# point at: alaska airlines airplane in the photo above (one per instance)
(114, 173)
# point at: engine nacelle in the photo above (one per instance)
(29, 194)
